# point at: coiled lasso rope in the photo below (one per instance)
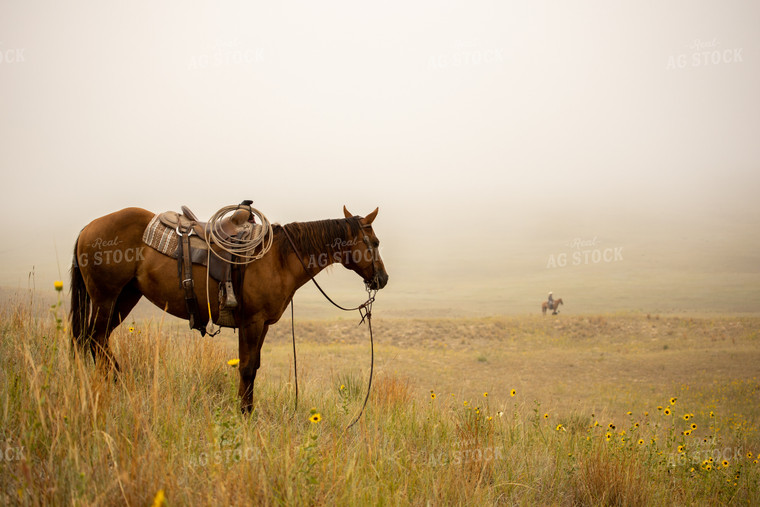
(243, 250)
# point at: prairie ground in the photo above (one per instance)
(596, 409)
(612, 363)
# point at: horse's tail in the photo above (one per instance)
(80, 305)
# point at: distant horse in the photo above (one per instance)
(113, 269)
(545, 306)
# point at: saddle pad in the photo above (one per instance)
(166, 240)
(161, 238)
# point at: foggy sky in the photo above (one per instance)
(522, 125)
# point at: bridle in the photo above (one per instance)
(365, 311)
(373, 251)
(367, 283)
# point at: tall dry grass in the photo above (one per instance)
(171, 423)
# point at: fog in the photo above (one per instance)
(494, 136)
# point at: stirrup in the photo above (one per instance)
(230, 301)
(226, 318)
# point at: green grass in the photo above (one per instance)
(171, 422)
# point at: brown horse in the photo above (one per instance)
(545, 306)
(113, 269)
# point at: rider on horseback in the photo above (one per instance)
(550, 302)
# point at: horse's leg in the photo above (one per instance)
(108, 316)
(127, 300)
(109, 251)
(251, 338)
(102, 325)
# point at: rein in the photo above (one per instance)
(365, 311)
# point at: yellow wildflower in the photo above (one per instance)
(159, 499)
(58, 285)
(233, 362)
(315, 418)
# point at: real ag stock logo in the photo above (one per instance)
(11, 56)
(226, 53)
(12, 453)
(584, 252)
(705, 53)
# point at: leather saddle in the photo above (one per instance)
(237, 225)
(195, 239)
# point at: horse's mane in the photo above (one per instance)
(315, 237)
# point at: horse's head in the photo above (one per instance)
(365, 253)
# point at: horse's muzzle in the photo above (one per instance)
(379, 281)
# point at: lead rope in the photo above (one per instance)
(295, 363)
(365, 311)
(368, 315)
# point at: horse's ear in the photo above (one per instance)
(371, 217)
(346, 212)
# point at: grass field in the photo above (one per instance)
(594, 409)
